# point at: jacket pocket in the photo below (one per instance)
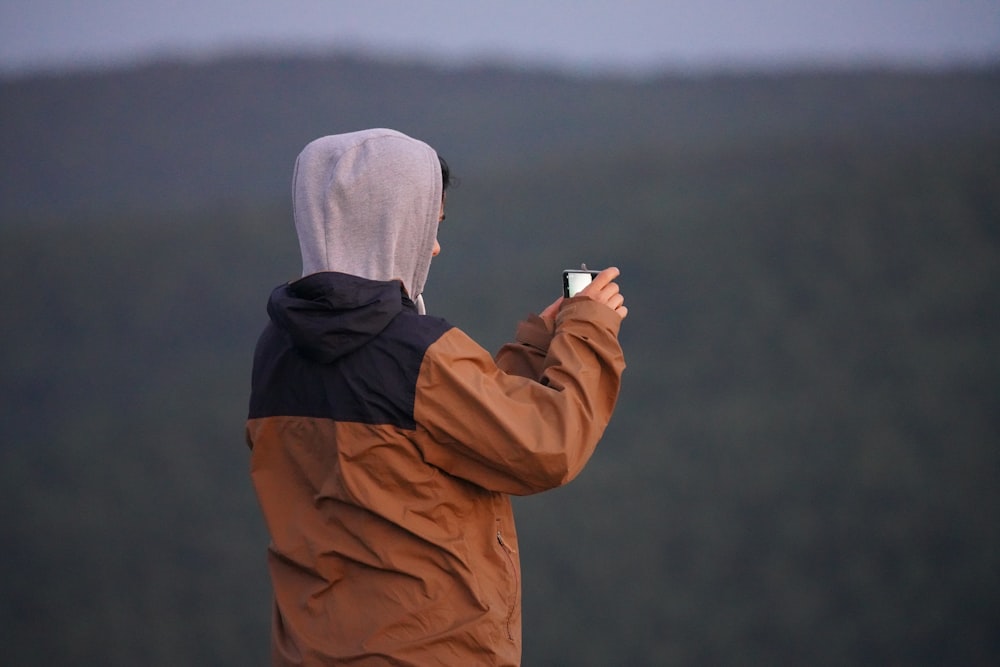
(509, 555)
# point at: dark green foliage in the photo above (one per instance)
(132, 526)
(223, 132)
(803, 466)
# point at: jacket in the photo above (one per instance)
(385, 447)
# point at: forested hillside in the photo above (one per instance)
(803, 466)
(196, 135)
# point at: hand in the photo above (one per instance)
(550, 312)
(604, 289)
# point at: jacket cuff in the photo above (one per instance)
(590, 310)
(534, 332)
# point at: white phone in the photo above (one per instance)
(575, 280)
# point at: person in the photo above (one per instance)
(385, 443)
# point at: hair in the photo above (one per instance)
(446, 177)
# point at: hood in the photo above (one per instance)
(330, 315)
(367, 204)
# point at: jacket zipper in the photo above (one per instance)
(517, 585)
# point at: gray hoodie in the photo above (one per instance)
(367, 203)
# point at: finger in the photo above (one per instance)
(610, 290)
(601, 280)
(551, 310)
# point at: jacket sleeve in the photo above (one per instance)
(514, 434)
(526, 355)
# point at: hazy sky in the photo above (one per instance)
(574, 33)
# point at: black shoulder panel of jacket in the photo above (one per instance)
(375, 384)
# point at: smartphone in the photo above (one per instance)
(575, 280)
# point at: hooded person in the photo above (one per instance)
(367, 204)
(385, 443)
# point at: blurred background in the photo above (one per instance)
(804, 199)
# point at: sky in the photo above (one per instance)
(585, 35)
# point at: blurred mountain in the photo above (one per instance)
(182, 135)
(802, 467)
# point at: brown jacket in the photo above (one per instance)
(385, 446)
